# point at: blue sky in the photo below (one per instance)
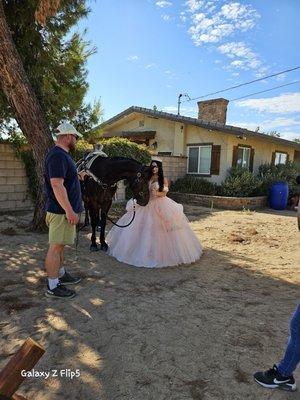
(149, 51)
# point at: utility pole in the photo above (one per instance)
(179, 101)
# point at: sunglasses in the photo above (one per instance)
(154, 166)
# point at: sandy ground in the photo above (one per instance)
(194, 332)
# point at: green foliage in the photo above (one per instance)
(191, 184)
(268, 174)
(116, 147)
(240, 183)
(121, 147)
(82, 147)
(54, 58)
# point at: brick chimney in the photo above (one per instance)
(214, 110)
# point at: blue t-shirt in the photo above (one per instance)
(59, 164)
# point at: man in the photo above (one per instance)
(281, 375)
(64, 203)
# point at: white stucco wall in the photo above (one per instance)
(174, 136)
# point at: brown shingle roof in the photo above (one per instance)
(234, 130)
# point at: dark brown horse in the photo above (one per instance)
(100, 186)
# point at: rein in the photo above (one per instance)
(129, 223)
(85, 165)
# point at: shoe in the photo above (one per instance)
(68, 279)
(61, 292)
(272, 379)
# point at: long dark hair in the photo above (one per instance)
(160, 174)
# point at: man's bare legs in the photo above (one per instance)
(54, 260)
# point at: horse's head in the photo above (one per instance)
(139, 184)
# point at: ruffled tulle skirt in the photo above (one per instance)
(159, 236)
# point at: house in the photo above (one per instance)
(205, 146)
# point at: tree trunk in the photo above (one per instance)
(27, 110)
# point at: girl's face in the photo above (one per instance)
(154, 168)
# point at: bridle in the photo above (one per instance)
(82, 166)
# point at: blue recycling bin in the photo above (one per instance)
(278, 197)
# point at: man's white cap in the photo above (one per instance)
(66, 129)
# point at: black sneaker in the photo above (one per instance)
(60, 292)
(68, 279)
(272, 379)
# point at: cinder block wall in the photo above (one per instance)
(174, 166)
(13, 181)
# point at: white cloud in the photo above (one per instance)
(194, 5)
(243, 15)
(244, 57)
(132, 58)
(188, 111)
(211, 26)
(281, 77)
(151, 65)
(163, 3)
(166, 17)
(268, 125)
(210, 22)
(290, 135)
(182, 17)
(282, 104)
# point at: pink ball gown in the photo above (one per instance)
(159, 236)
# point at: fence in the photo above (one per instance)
(14, 193)
(174, 166)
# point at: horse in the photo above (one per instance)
(100, 185)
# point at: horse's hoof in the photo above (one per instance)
(104, 247)
(94, 248)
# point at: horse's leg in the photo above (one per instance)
(104, 211)
(86, 219)
(94, 214)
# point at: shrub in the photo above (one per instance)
(121, 147)
(240, 183)
(268, 174)
(82, 147)
(116, 147)
(192, 184)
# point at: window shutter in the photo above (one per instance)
(215, 160)
(251, 160)
(287, 158)
(273, 158)
(235, 155)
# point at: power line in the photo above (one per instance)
(267, 90)
(243, 84)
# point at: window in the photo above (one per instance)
(280, 158)
(243, 157)
(199, 159)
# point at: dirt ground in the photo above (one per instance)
(195, 332)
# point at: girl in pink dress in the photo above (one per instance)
(160, 235)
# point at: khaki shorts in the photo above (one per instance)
(60, 231)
